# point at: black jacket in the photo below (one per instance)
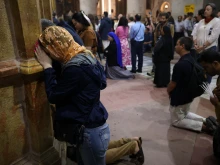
(163, 52)
(76, 94)
(111, 53)
(105, 28)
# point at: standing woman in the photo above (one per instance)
(85, 30)
(122, 31)
(206, 33)
(76, 93)
(163, 54)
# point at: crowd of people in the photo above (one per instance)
(70, 53)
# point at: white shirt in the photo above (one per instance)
(130, 25)
(207, 32)
(179, 26)
(188, 24)
(194, 31)
(116, 25)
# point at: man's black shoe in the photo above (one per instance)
(139, 71)
(133, 71)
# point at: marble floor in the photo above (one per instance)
(137, 108)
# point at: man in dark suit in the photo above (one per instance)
(105, 28)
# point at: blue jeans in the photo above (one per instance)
(95, 145)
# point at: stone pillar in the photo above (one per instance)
(25, 119)
(89, 7)
(46, 9)
(136, 7)
(36, 104)
(13, 132)
(53, 5)
(113, 7)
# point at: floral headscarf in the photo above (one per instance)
(60, 43)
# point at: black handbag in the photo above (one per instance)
(68, 132)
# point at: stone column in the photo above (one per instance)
(89, 7)
(46, 9)
(53, 5)
(13, 132)
(25, 119)
(37, 106)
(113, 6)
(136, 7)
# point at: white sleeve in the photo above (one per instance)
(186, 24)
(115, 25)
(215, 32)
(194, 32)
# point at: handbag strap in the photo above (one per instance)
(138, 31)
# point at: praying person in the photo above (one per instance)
(180, 100)
(76, 92)
(210, 61)
(114, 65)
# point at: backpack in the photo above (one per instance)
(197, 78)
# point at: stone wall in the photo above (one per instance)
(89, 7)
(178, 6)
(136, 7)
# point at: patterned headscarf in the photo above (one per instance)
(60, 43)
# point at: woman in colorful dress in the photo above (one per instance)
(122, 32)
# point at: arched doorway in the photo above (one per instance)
(121, 7)
(165, 7)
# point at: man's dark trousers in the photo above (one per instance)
(137, 49)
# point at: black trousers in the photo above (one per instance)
(137, 50)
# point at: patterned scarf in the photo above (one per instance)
(60, 44)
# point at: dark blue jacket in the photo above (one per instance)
(76, 37)
(105, 28)
(148, 37)
(77, 95)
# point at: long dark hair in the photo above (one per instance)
(123, 22)
(201, 13)
(214, 11)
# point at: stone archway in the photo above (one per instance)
(165, 7)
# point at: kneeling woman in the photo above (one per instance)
(76, 93)
(114, 67)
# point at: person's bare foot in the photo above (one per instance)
(136, 148)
